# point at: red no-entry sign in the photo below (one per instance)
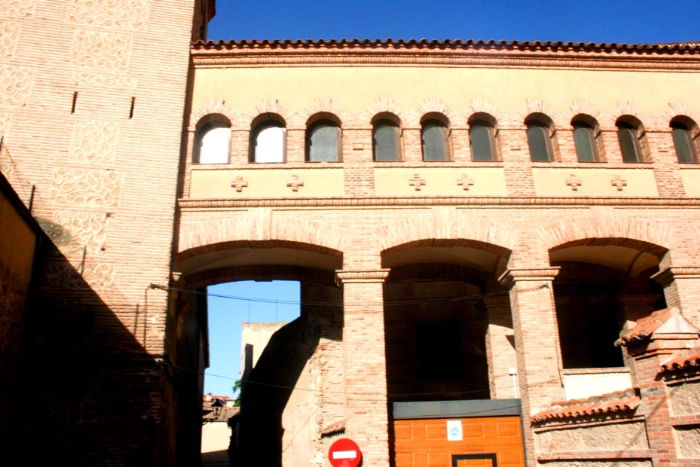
(345, 453)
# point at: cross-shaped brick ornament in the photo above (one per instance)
(416, 182)
(574, 182)
(295, 183)
(465, 181)
(618, 182)
(238, 183)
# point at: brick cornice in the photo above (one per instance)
(528, 274)
(442, 53)
(362, 275)
(206, 204)
(668, 275)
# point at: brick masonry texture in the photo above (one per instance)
(101, 107)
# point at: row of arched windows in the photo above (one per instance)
(268, 139)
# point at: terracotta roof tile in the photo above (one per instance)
(615, 402)
(671, 48)
(333, 428)
(684, 361)
(646, 326)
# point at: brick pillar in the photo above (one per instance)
(500, 351)
(655, 406)
(682, 289)
(412, 145)
(536, 342)
(365, 363)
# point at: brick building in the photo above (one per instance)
(498, 235)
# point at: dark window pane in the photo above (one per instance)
(323, 143)
(684, 146)
(434, 137)
(386, 141)
(585, 145)
(628, 144)
(538, 140)
(480, 136)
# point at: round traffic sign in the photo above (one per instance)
(345, 453)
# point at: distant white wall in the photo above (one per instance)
(580, 384)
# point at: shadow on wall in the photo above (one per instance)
(89, 393)
(267, 390)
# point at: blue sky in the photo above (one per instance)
(226, 316)
(621, 21)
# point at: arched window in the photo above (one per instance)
(685, 139)
(585, 139)
(629, 134)
(434, 141)
(323, 142)
(212, 143)
(268, 142)
(539, 138)
(482, 138)
(385, 140)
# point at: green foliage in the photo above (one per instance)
(237, 392)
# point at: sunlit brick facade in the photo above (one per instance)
(482, 231)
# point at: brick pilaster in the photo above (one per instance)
(682, 289)
(536, 341)
(499, 349)
(365, 363)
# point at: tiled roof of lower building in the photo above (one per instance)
(615, 402)
(684, 361)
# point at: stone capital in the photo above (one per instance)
(668, 275)
(345, 276)
(511, 276)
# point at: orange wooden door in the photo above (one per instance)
(424, 443)
(474, 463)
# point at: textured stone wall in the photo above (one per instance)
(685, 398)
(595, 438)
(688, 441)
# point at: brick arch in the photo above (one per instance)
(323, 106)
(267, 107)
(482, 107)
(535, 107)
(678, 108)
(212, 107)
(383, 105)
(432, 106)
(445, 226)
(606, 229)
(458, 242)
(257, 228)
(264, 272)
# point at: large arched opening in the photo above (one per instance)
(603, 285)
(450, 353)
(281, 384)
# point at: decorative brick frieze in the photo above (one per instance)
(125, 14)
(9, 35)
(17, 8)
(15, 85)
(86, 187)
(94, 141)
(97, 49)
